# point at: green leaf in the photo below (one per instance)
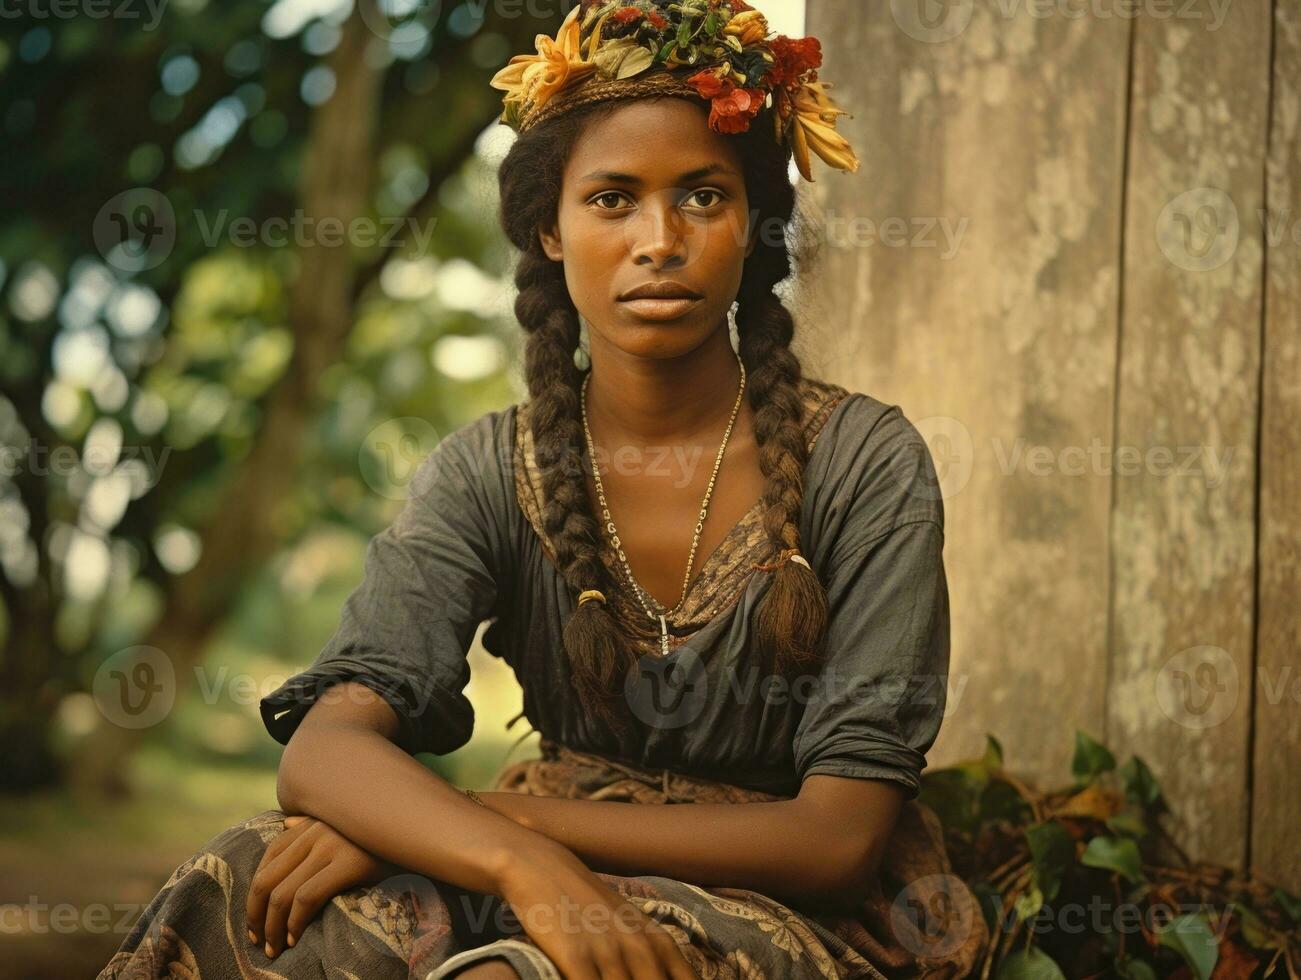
(1290, 903)
(665, 51)
(712, 23)
(993, 752)
(1140, 785)
(1119, 854)
(1001, 802)
(953, 795)
(1132, 969)
(1053, 851)
(1128, 824)
(1191, 938)
(1091, 757)
(1029, 964)
(1254, 930)
(1029, 903)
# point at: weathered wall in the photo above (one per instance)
(1072, 256)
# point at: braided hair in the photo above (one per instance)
(792, 617)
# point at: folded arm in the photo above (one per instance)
(342, 768)
(824, 846)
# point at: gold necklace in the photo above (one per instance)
(642, 594)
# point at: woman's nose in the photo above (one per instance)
(657, 234)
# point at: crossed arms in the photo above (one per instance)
(341, 767)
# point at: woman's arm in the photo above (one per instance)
(342, 768)
(823, 846)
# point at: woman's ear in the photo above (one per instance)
(550, 240)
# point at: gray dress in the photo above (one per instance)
(464, 550)
(469, 546)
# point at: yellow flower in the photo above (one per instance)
(535, 78)
(815, 129)
(748, 27)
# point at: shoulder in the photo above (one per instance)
(483, 441)
(880, 464)
(474, 457)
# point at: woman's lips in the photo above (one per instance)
(660, 309)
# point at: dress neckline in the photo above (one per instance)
(719, 579)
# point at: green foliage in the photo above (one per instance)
(176, 135)
(1030, 964)
(1091, 758)
(1052, 852)
(1085, 881)
(1119, 854)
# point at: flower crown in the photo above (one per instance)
(613, 48)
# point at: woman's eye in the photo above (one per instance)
(608, 196)
(696, 195)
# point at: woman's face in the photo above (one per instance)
(652, 195)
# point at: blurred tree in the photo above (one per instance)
(234, 243)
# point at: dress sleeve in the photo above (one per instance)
(878, 702)
(429, 579)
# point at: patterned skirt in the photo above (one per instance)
(921, 921)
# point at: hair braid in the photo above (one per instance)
(599, 653)
(792, 617)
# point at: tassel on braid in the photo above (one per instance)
(792, 618)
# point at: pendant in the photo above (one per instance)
(664, 637)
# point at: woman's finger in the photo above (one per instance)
(677, 966)
(296, 820)
(284, 854)
(281, 901)
(311, 897)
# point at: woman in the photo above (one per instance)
(742, 605)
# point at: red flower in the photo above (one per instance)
(626, 15)
(709, 85)
(731, 108)
(792, 58)
(733, 112)
(657, 20)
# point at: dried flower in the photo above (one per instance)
(749, 27)
(534, 79)
(814, 130)
(737, 67)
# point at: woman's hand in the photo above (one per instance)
(302, 869)
(590, 931)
